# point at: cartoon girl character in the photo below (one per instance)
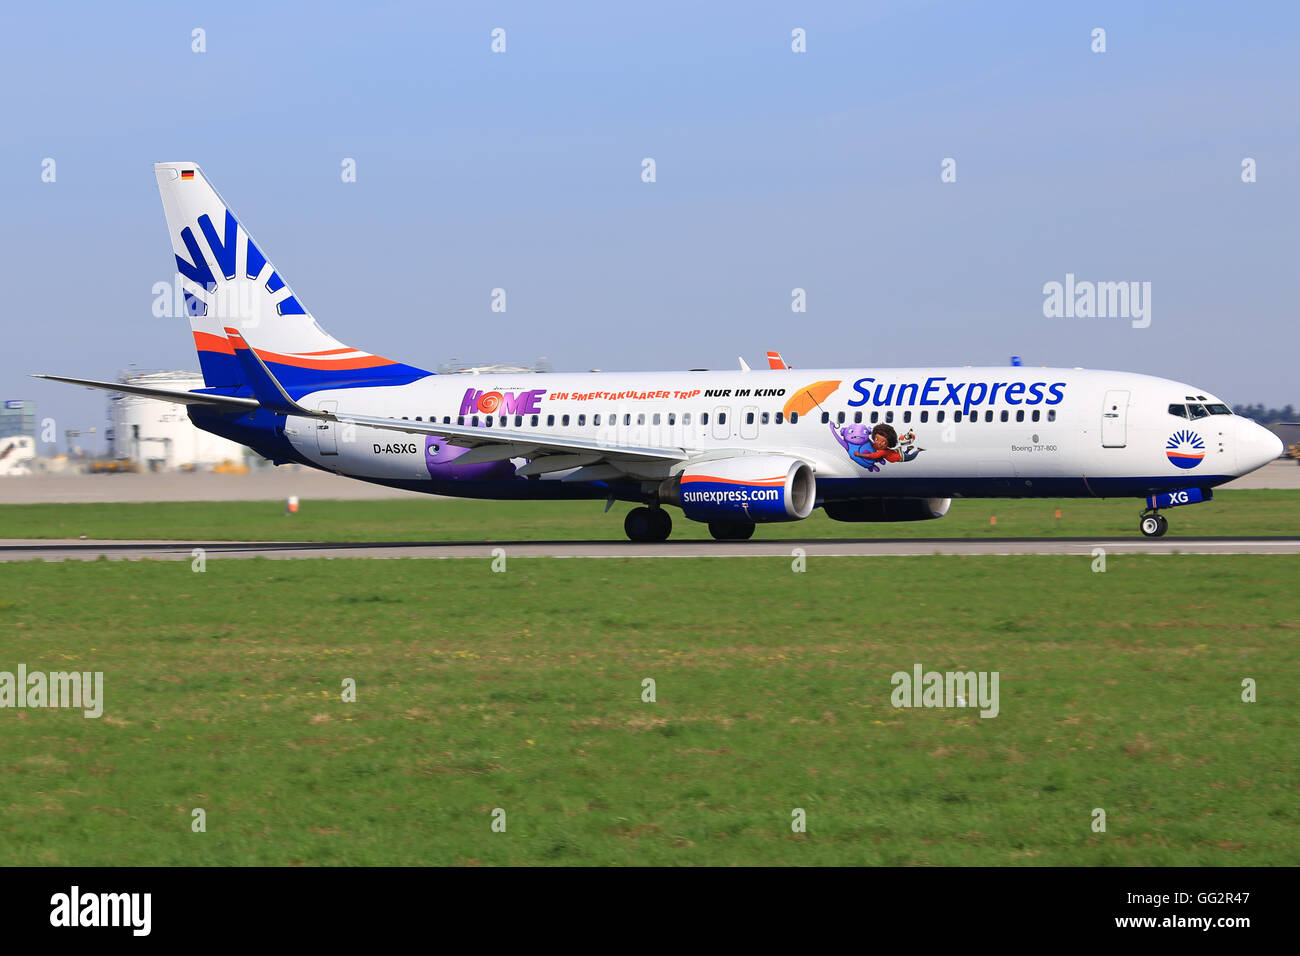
(871, 449)
(884, 445)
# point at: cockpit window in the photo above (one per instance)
(1197, 410)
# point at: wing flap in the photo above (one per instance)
(474, 437)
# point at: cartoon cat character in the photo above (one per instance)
(907, 445)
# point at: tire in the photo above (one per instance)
(638, 525)
(661, 524)
(1164, 525)
(1150, 526)
(731, 530)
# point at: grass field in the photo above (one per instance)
(1249, 512)
(522, 690)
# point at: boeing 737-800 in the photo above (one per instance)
(732, 449)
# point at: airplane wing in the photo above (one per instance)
(526, 444)
(598, 459)
(595, 458)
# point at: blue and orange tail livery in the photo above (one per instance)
(229, 282)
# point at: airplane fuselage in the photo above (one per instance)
(956, 432)
(732, 449)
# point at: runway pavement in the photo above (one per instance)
(78, 550)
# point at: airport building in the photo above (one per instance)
(18, 417)
(159, 436)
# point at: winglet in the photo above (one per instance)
(266, 389)
(775, 361)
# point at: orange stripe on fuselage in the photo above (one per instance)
(778, 480)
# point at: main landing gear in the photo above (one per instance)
(731, 530)
(648, 524)
(1154, 524)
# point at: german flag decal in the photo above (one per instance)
(187, 174)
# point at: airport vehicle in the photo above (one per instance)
(113, 466)
(731, 448)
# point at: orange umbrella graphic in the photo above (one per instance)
(808, 397)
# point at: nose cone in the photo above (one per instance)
(1256, 446)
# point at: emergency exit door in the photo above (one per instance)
(1114, 419)
(721, 423)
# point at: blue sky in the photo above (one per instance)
(775, 170)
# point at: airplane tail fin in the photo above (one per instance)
(228, 281)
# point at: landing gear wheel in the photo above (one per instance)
(637, 525)
(731, 530)
(662, 524)
(647, 524)
(1154, 525)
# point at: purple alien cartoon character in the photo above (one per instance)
(440, 458)
(856, 440)
(872, 447)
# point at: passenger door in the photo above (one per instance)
(326, 441)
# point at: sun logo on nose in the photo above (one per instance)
(1185, 448)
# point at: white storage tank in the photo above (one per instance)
(159, 435)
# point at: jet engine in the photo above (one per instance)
(746, 489)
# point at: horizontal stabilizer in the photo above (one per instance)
(162, 394)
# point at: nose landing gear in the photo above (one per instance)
(1154, 524)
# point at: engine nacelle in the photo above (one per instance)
(887, 509)
(753, 488)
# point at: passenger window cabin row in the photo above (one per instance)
(610, 420)
(957, 416)
(763, 418)
(656, 418)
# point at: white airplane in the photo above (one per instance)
(733, 449)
